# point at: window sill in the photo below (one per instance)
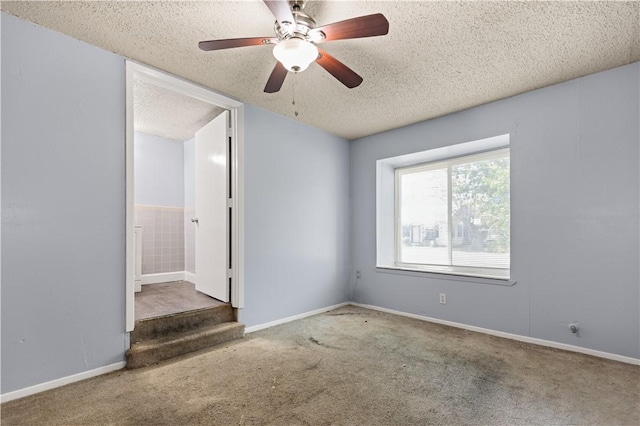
(396, 270)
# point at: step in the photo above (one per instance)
(153, 328)
(152, 351)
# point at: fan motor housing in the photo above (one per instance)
(300, 29)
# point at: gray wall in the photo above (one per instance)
(574, 147)
(63, 181)
(159, 171)
(190, 205)
(575, 209)
(63, 210)
(189, 154)
(296, 218)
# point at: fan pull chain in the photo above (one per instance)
(293, 96)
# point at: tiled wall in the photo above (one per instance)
(163, 238)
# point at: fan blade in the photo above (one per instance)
(235, 42)
(281, 10)
(276, 79)
(363, 26)
(343, 73)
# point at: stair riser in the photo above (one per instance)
(152, 355)
(158, 327)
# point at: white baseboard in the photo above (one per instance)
(293, 318)
(164, 277)
(525, 339)
(189, 276)
(21, 393)
(10, 396)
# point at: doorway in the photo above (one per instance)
(183, 232)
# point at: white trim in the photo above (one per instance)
(164, 277)
(129, 203)
(21, 393)
(449, 151)
(499, 274)
(182, 86)
(190, 276)
(204, 94)
(517, 337)
(295, 317)
(237, 206)
(445, 276)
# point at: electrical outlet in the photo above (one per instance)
(443, 299)
(358, 275)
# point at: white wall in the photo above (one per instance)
(296, 218)
(159, 171)
(574, 215)
(63, 223)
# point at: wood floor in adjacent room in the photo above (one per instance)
(161, 299)
(352, 366)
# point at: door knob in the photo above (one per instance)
(194, 220)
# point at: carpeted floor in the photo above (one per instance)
(352, 366)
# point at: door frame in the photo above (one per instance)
(236, 113)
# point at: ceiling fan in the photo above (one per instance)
(296, 37)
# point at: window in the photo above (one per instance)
(455, 213)
(450, 210)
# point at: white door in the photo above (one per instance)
(212, 212)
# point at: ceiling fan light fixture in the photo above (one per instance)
(296, 37)
(295, 53)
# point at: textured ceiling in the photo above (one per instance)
(161, 112)
(439, 57)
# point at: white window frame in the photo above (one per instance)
(486, 272)
(387, 213)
